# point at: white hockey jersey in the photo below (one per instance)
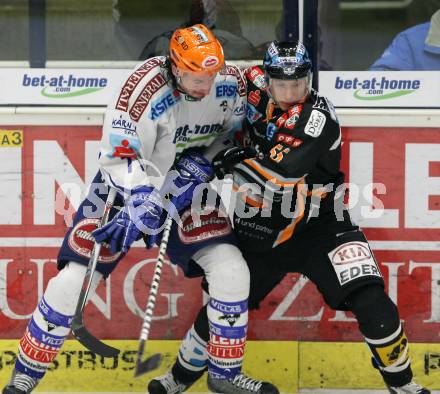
(149, 123)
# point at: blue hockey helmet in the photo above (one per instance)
(287, 60)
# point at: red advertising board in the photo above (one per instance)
(48, 161)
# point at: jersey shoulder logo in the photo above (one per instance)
(315, 124)
(133, 81)
(241, 84)
(256, 76)
(152, 86)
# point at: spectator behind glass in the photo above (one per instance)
(220, 17)
(417, 48)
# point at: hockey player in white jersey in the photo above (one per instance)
(165, 115)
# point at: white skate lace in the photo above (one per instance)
(23, 382)
(247, 383)
(411, 387)
(170, 384)
(415, 386)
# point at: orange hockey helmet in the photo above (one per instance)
(196, 49)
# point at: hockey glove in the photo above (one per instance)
(140, 215)
(226, 159)
(191, 170)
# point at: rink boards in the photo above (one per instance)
(392, 160)
(290, 365)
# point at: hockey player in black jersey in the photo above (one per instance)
(290, 212)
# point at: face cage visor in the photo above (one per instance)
(308, 76)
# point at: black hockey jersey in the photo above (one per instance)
(293, 181)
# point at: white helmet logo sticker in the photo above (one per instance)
(210, 61)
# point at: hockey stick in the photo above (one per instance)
(152, 362)
(79, 329)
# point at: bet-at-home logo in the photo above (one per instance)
(377, 88)
(64, 86)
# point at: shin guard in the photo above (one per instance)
(42, 340)
(51, 321)
(227, 337)
(391, 357)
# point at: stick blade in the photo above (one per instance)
(91, 342)
(150, 364)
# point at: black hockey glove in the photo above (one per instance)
(226, 159)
